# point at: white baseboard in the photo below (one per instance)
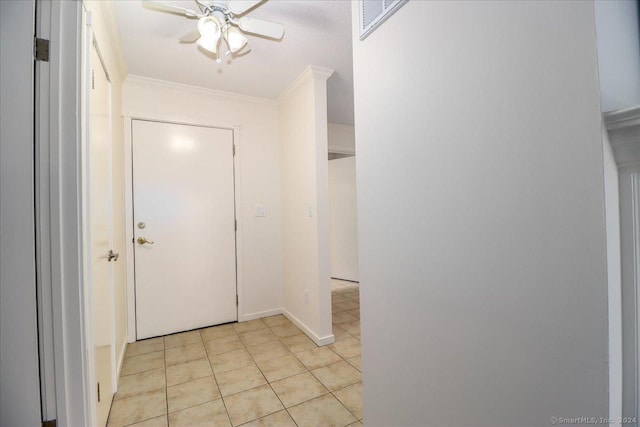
(329, 339)
(259, 314)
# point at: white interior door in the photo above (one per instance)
(183, 204)
(100, 236)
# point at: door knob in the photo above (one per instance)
(142, 241)
(113, 256)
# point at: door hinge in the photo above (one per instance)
(236, 299)
(41, 49)
(98, 392)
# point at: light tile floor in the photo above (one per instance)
(263, 372)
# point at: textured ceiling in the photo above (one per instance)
(317, 32)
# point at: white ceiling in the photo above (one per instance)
(317, 32)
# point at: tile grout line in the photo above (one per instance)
(213, 373)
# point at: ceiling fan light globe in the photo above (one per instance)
(209, 29)
(235, 39)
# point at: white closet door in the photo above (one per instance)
(183, 191)
(100, 235)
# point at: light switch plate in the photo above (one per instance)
(261, 210)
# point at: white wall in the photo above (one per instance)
(343, 218)
(614, 273)
(481, 215)
(305, 204)
(342, 139)
(19, 380)
(258, 179)
(618, 53)
(109, 47)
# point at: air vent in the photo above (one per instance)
(375, 12)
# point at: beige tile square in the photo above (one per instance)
(348, 305)
(288, 330)
(337, 375)
(352, 292)
(184, 353)
(210, 414)
(356, 424)
(340, 333)
(153, 422)
(268, 350)
(275, 320)
(298, 388)
(140, 383)
(351, 398)
(251, 325)
(324, 411)
(224, 345)
(216, 332)
(252, 404)
(298, 343)
(352, 328)
(356, 362)
(145, 346)
(279, 419)
(144, 362)
(192, 393)
(337, 299)
(238, 380)
(355, 312)
(347, 348)
(188, 371)
(139, 407)
(318, 357)
(281, 367)
(257, 337)
(343, 317)
(181, 339)
(232, 360)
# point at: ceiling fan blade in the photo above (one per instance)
(167, 7)
(262, 28)
(238, 7)
(191, 37)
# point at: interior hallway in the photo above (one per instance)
(256, 373)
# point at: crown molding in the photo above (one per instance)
(135, 79)
(623, 127)
(312, 71)
(111, 22)
(624, 118)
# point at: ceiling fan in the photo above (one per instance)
(221, 19)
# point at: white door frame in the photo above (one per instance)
(623, 127)
(128, 206)
(59, 201)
